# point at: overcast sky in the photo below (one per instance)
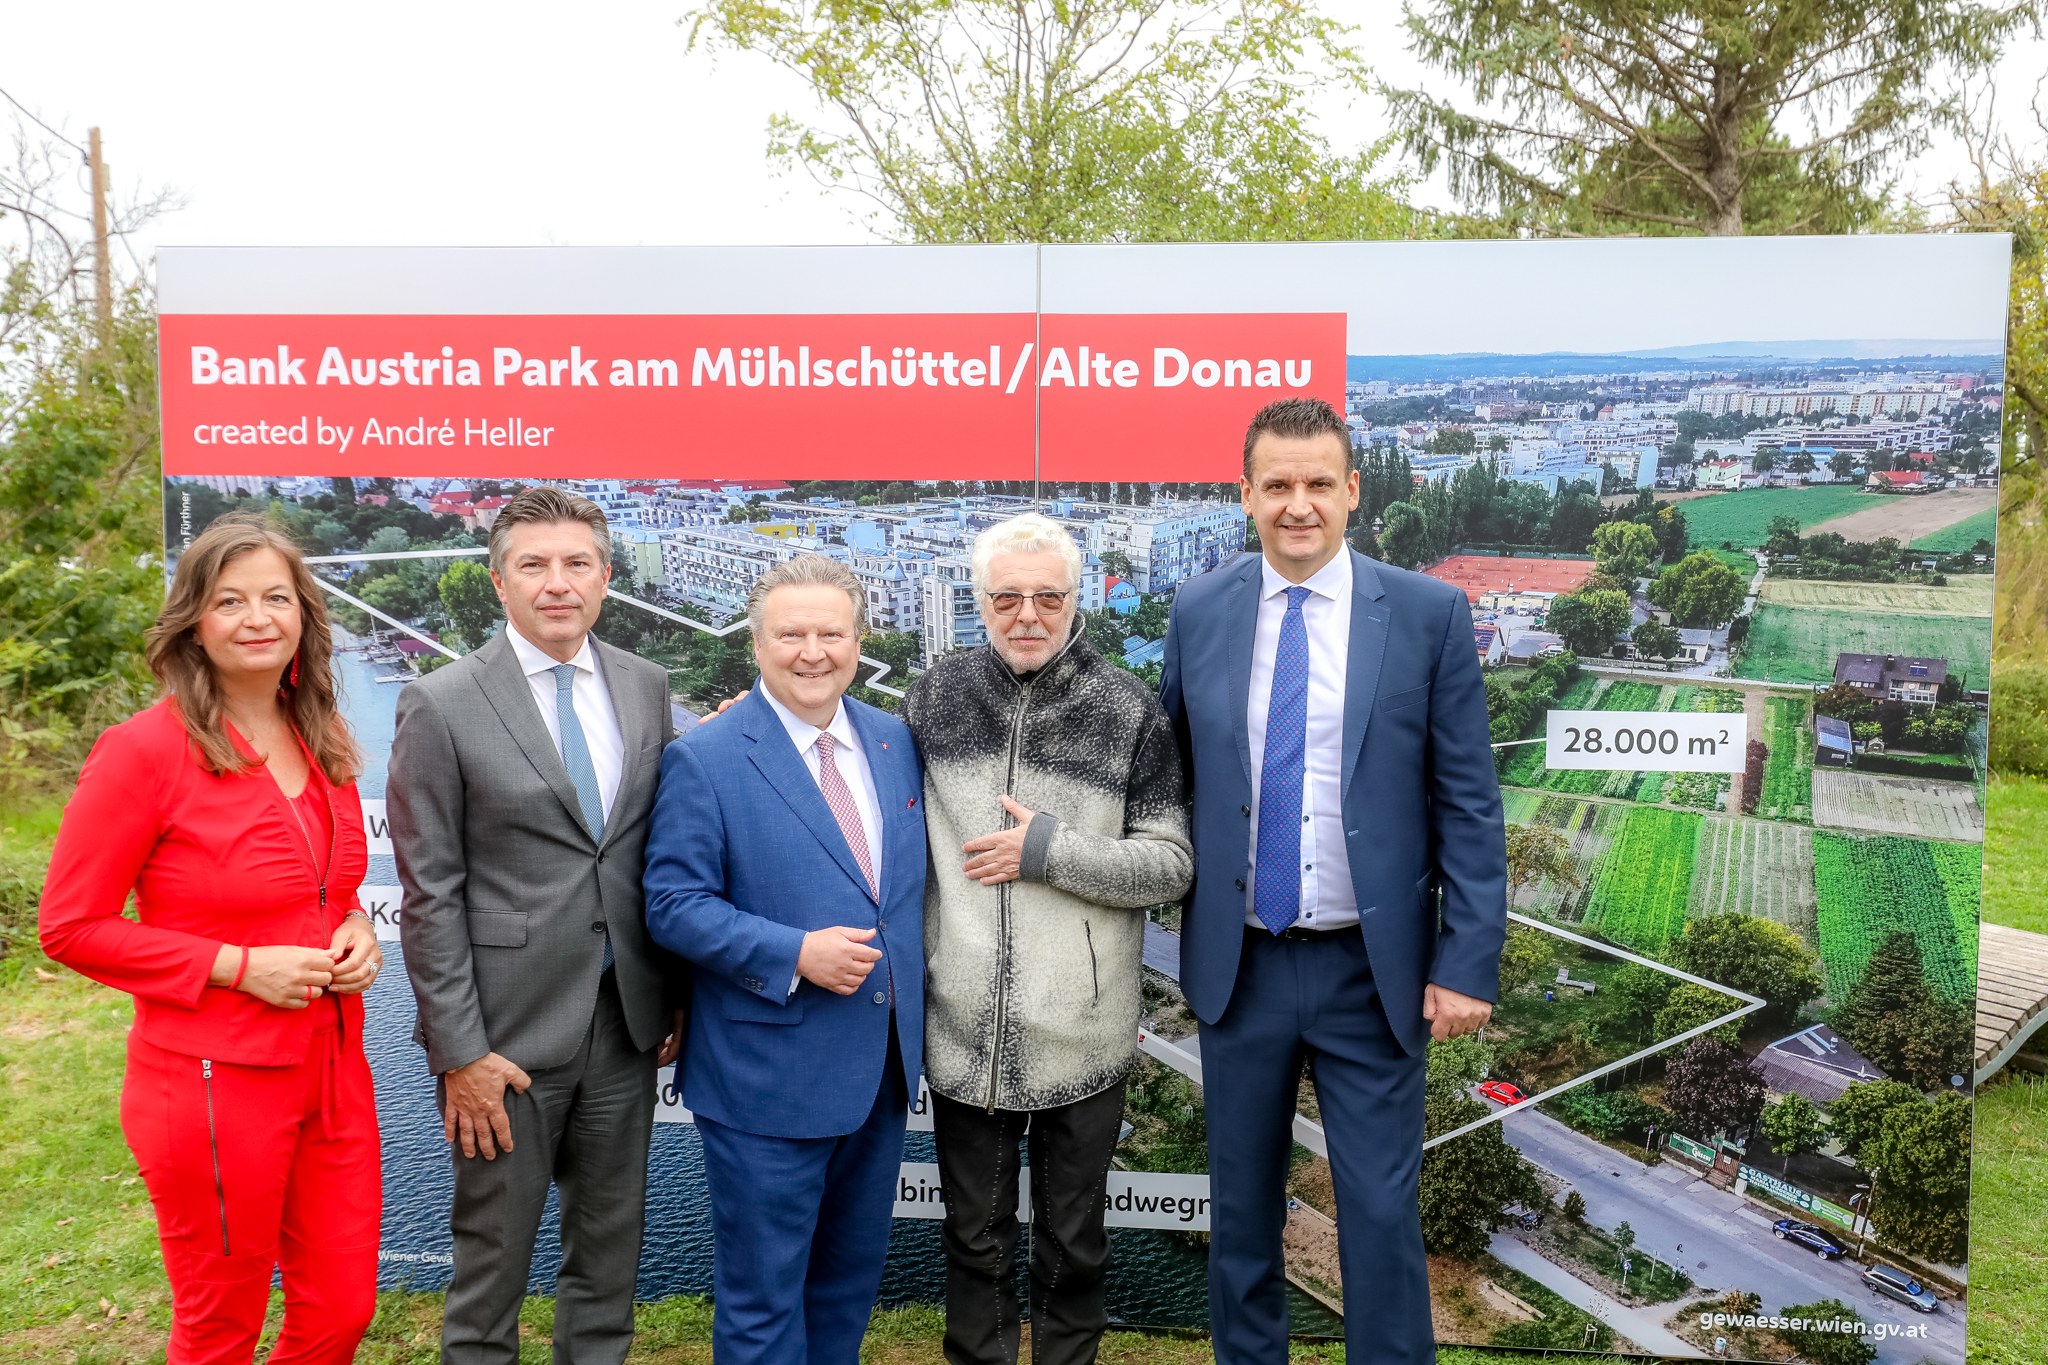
(512, 123)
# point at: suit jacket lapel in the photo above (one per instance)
(1362, 666)
(1241, 625)
(511, 696)
(779, 762)
(629, 704)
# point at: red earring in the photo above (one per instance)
(295, 670)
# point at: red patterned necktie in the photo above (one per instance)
(840, 798)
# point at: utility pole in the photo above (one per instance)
(102, 263)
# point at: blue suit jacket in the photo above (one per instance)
(743, 859)
(1422, 809)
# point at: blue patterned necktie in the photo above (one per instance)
(582, 772)
(1276, 886)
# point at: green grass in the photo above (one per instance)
(1642, 882)
(76, 1230)
(2016, 853)
(1788, 780)
(1963, 534)
(1869, 887)
(2008, 1209)
(1797, 645)
(1962, 877)
(1744, 518)
(1744, 565)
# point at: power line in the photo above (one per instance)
(44, 126)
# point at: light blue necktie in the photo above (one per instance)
(1276, 886)
(582, 772)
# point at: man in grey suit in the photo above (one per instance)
(522, 777)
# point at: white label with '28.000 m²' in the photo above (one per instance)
(1659, 741)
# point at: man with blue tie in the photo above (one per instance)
(522, 776)
(787, 861)
(1350, 880)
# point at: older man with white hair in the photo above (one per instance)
(1055, 774)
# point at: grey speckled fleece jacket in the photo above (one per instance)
(1031, 987)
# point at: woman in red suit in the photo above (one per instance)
(229, 809)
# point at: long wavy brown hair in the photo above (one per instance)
(186, 674)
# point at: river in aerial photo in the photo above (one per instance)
(1156, 1278)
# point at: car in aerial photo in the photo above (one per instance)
(1501, 1092)
(1806, 1235)
(1897, 1284)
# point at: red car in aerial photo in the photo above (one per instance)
(1501, 1092)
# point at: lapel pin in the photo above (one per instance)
(913, 802)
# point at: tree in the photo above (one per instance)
(1714, 117)
(1847, 1344)
(1655, 640)
(1754, 955)
(1116, 563)
(1575, 1207)
(1071, 120)
(1406, 537)
(1640, 993)
(1525, 957)
(1793, 1126)
(1624, 551)
(1921, 1203)
(1712, 1088)
(1842, 463)
(1800, 462)
(1589, 621)
(1469, 1182)
(1699, 590)
(470, 600)
(1690, 1006)
(1844, 701)
(1857, 1115)
(1784, 536)
(1894, 1018)
(1149, 620)
(1536, 854)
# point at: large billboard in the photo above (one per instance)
(1740, 744)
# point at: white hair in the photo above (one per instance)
(1030, 533)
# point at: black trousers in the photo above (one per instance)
(1070, 1149)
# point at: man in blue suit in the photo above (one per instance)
(786, 860)
(1350, 880)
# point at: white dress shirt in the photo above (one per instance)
(1327, 901)
(851, 761)
(593, 703)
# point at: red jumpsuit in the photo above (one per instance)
(255, 1127)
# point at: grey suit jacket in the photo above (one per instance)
(504, 885)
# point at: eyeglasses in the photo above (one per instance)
(1007, 603)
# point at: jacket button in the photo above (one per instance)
(1247, 810)
(597, 928)
(752, 983)
(881, 998)
(1240, 883)
(882, 926)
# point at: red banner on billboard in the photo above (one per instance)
(1156, 396)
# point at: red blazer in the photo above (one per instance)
(211, 860)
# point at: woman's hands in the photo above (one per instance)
(291, 977)
(357, 958)
(284, 975)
